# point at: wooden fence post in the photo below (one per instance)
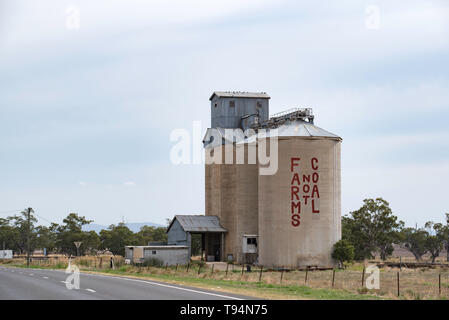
(243, 266)
(307, 271)
(212, 271)
(176, 269)
(439, 284)
(282, 273)
(227, 266)
(398, 285)
(333, 278)
(188, 266)
(260, 274)
(363, 277)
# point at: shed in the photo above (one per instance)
(165, 254)
(181, 228)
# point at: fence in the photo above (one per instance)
(408, 283)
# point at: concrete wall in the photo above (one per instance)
(225, 116)
(280, 242)
(231, 194)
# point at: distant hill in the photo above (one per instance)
(133, 226)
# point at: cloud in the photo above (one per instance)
(101, 101)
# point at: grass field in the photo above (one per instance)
(414, 283)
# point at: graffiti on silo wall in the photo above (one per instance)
(305, 194)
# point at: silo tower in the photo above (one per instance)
(299, 206)
(231, 189)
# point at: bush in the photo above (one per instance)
(343, 251)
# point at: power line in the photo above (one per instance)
(42, 218)
(9, 211)
(39, 216)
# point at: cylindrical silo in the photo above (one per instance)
(299, 206)
(231, 193)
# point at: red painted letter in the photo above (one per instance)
(314, 163)
(294, 164)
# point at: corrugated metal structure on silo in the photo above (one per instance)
(299, 206)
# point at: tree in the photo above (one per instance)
(24, 231)
(91, 243)
(70, 232)
(443, 232)
(343, 251)
(9, 235)
(151, 234)
(46, 237)
(372, 228)
(115, 238)
(434, 241)
(415, 241)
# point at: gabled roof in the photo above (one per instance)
(240, 94)
(198, 223)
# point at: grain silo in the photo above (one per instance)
(287, 219)
(231, 191)
(299, 206)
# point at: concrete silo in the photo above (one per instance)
(299, 206)
(231, 190)
(287, 219)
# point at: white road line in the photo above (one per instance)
(167, 286)
(45, 277)
(31, 274)
(157, 284)
(90, 290)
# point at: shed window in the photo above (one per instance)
(153, 252)
(215, 104)
(232, 103)
(251, 241)
(259, 104)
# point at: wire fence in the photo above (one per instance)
(393, 283)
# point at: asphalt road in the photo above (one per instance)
(31, 284)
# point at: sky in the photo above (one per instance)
(90, 92)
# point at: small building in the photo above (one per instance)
(5, 254)
(165, 254)
(181, 228)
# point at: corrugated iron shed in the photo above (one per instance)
(198, 223)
